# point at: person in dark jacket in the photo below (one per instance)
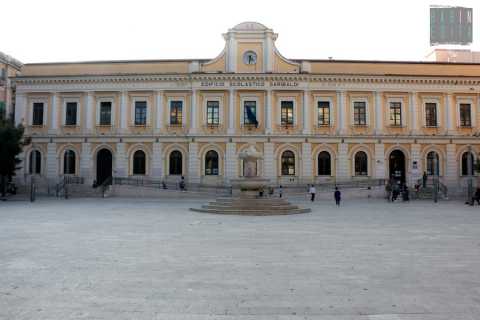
(338, 196)
(424, 179)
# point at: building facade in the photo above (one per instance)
(9, 67)
(313, 120)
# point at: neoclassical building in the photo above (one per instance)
(313, 120)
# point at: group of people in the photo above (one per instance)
(396, 189)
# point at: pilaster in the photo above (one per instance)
(231, 161)
(20, 109)
(451, 173)
(159, 111)
(268, 112)
(417, 170)
(53, 126)
(231, 112)
(379, 161)
(450, 124)
(86, 163)
(378, 113)
(269, 162)
(193, 112)
(306, 118)
(193, 163)
(157, 160)
(52, 161)
(307, 170)
(123, 111)
(343, 170)
(89, 112)
(413, 112)
(342, 118)
(121, 164)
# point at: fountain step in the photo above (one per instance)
(253, 212)
(221, 207)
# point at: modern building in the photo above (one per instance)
(313, 120)
(9, 67)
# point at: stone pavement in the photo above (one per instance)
(148, 259)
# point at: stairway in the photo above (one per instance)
(251, 207)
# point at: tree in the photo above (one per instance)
(11, 143)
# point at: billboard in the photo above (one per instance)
(451, 25)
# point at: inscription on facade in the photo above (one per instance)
(248, 84)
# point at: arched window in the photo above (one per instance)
(175, 163)
(324, 164)
(211, 163)
(288, 163)
(69, 164)
(35, 165)
(433, 163)
(139, 162)
(465, 164)
(361, 164)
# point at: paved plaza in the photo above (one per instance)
(150, 259)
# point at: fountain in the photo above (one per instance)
(249, 196)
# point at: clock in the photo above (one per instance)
(250, 58)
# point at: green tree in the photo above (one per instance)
(11, 143)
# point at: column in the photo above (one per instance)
(54, 114)
(123, 111)
(306, 114)
(307, 170)
(193, 163)
(89, 116)
(159, 111)
(21, 109)
(269, 162)
(193, 112)
(450, 125)
(52, 162)
(121, 163)
(268, 112)
(413, 112)
(379, 161)
(231, 112)
(342, 117)
(86, 163)
(378, 113)
(451, 173)
(343, 169)
(417, 169)
(157, 161)
(231, 161)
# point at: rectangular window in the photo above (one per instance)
(250, 113)
(431, 114)
(105, 113)
(465, 115)
(360, 113)
(71, 114)
(176, 113)
(395, 114)
(37, 114)
(323, 113)
(213, 113)
(286, 113)
(140, 113)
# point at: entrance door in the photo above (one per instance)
(397, 166)
(104, 165)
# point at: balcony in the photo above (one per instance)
(324, 129)
(250, 128)
(212, 128)
(287, 128)
(141, 129)
(104, 129)
(176, 128)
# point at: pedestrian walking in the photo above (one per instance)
(280, 191)
(312, 192)
(338, 196)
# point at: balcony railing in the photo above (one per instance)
(287, 128)
(213, 128)
(250, 128)
(177, 128)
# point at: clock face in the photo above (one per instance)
(250, 57)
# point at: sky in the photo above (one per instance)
(84, 30)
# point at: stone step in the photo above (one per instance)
(246, 207)
(252, 212)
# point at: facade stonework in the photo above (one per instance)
(313, 120)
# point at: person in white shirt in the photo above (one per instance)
(312, 192)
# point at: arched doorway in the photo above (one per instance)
(397, 166)
(104, 165)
